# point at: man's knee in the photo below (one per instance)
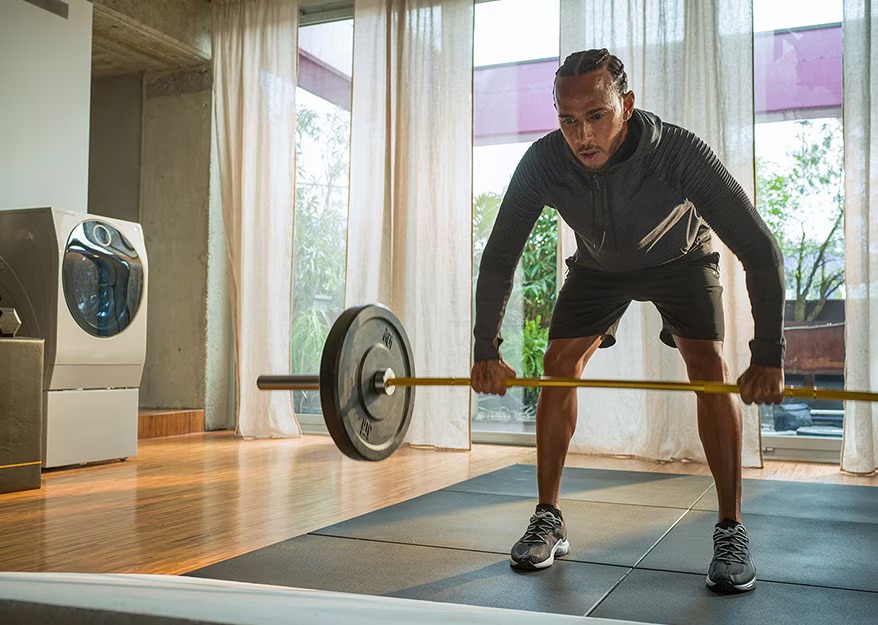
(566, 358)
(704, 359)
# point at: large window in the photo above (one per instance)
(515, 58)
(799, 169)
(800, 194)
(323, 103)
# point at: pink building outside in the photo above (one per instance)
(797, 74)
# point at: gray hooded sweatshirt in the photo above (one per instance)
(657, 200)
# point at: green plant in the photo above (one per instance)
(485, 208)
(525, 326)
(536, 339)
(320, 231)
(309, 331)
(791, 200)
(539, 268)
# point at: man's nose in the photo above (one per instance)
(585, 133)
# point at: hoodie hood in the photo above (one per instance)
(644, 128)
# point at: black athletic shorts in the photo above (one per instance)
(686, 292)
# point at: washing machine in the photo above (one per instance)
(79, 282)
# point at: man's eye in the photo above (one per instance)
(568, 121)
(598, 116)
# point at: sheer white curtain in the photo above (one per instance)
(254, 66)
(410, 227)
(860, 54)
(690, 62)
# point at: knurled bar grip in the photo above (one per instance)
(312, 383)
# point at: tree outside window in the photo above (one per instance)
(803, 205)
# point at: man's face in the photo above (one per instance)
(593, 116)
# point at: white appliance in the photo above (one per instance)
(79, 281)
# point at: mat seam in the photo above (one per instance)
(603, 597)
(465, 549)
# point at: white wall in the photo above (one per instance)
(45, 83)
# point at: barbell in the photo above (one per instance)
(367, 358)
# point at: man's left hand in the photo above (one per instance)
(762, 385)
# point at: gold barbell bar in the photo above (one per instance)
(312, 382)
(714, 388)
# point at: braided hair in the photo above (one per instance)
(587, 61)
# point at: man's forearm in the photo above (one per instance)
(767, 297)
(492, 293)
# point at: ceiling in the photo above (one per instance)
(122, 45)
(126, 45)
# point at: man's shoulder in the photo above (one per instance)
(659, 128)
(668, 140)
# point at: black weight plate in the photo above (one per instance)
(366, 424)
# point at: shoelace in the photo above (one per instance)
(541, 523)
(730, 545)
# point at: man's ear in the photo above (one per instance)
(628, 105)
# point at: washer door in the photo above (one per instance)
(102, 278)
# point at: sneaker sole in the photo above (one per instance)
(726, 586)
(562, 547)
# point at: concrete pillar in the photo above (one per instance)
(175, 204)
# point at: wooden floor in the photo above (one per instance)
(188, 501)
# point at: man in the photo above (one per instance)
(642, 196)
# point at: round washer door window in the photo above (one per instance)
(102, 278)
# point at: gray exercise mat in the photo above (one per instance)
(598, 532)
(416, 572)
(683, 599)
(834, 554)
(452, 546)
(828, 502)
(625, 487)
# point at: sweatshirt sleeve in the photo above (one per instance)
(519, 211)
(724, 205)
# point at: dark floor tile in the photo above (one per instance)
(415, 572)
(683, 599)
(828, 502)
(626, 487)
(834, 554)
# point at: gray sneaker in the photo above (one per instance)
(545, 538)
(731, 569)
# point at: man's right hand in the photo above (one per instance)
(489, 376)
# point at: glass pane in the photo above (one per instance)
(323, 103)
(516, 55)
(507, 31)
(784, 14)
(800, 194)
(102, 279)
